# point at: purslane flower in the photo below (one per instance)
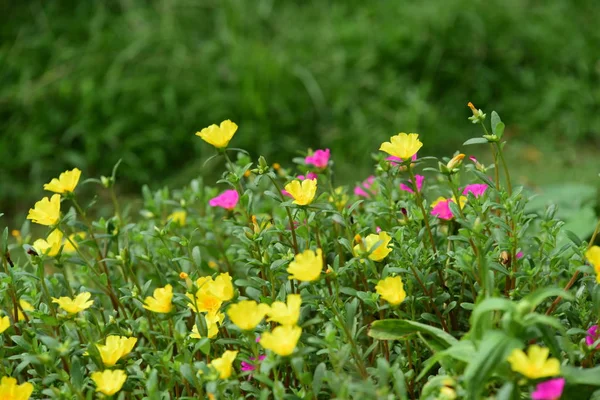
(286, 313)
(366, 189)
(73, 306)
(46, 211)
(4, 323)
(161, 301)
(376, 245)
(320, 158)
(549, 390)
(224, 364)
(109, 381)
(535, 364)
(116, 347)
(179, 217)
(593, 256)
(307, 266)
(227, 200)
(391, 289)
(66, 182)
(10, 390)
(247, 314)
(212, 326)
(218, 136)
(282, 340)
(419, 179)
(478, 189)
(303, 192)
(402, 145)
(51, 245)
(441, 207)
(592, 336)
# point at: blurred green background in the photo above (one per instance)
(85, 83)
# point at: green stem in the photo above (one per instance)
(505, 166)
(420, 204)
(289, 214)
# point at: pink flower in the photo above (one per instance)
(360, 190)
(319, 158)
(310, 175)
(419, 179)
(377, 229)
(549, 390)
(442, 210)
(478, 189)
(592, 336)
(252, 366)
(519, 255)
(397, 160)
(472, 158)
(227, 200)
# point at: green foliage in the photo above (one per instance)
(474, 284)
(86, 83)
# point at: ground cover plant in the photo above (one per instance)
(428, 279)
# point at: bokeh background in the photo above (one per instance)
(85, 83)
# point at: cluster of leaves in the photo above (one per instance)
(479, 284)
(87, 83)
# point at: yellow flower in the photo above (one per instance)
(222, 287)
(4, 323)
(282, 340)
(535, 364)
(70, 245)
(73, 306)
(218, 136)
(375, 245)
(50, 246)
(178, 217)
(224, 364)
(9, 390)
(593, 256)
(26, 306)
(46, 211)
(307, 266)
(109, 382)
(161, 301)
(286, 314)
(212, 326)
(302, 192)
(391, 290)
(204, 302)
(66, 182)
(247, 314)
(402, 145)
(115, 348)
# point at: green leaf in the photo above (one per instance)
(492, 352)
(497, 125)
(478, 140)
(536, 298)
(487, 305)
(581, 376)
(399, 329)
(318, 378)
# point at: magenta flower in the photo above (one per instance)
(361, 190)
(319, 158)
(397, 160)
(472, 158)
(377, 229)
(419, 179)
(549, 390)
(592, 336)
(442, 210)
(310, 175)
(519, 255)
(478, 189)
(252, 366)
(227, 200)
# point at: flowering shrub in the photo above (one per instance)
(253, 291)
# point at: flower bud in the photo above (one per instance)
(183, 275)
(455, 162)
(263, 167)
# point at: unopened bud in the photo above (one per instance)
(183, 275)
(504, 258)
(262, 165)
(247, 173)
(357, 239)
(455, 162)
(276, 166)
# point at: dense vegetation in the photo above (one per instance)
(430, 280)
(84, 83)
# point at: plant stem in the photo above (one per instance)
(420, 203)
